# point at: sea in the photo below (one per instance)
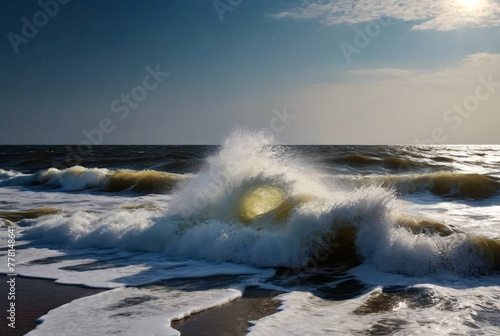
(354, 240)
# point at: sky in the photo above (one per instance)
(306, 71)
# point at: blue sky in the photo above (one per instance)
(264, 59)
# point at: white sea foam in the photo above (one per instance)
(130, 311)
(74, 178)
(115, 268)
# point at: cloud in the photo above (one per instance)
(466, 72)
(444, 15)
(387, 106)
(382, 73)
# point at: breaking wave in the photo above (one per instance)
(252, 204)
(79, 178)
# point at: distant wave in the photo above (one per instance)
(16, 216)
(472, 186)
(79, 178)
(389, 162)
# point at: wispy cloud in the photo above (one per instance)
(382, 73)
(465, 72)
(405, 104)
(444, 15)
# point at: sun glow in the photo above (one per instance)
(472, 4)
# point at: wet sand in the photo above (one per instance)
(231, 319)
(35, 297)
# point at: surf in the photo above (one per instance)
(252, 203)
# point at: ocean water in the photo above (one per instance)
(358, 240)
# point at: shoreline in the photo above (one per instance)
(35, 297)
(232, 318)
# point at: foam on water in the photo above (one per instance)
(8, 174)
(390, 304)
(110, 268)
(423, 309)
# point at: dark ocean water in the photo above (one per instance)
(184, 159)
(363, 239)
